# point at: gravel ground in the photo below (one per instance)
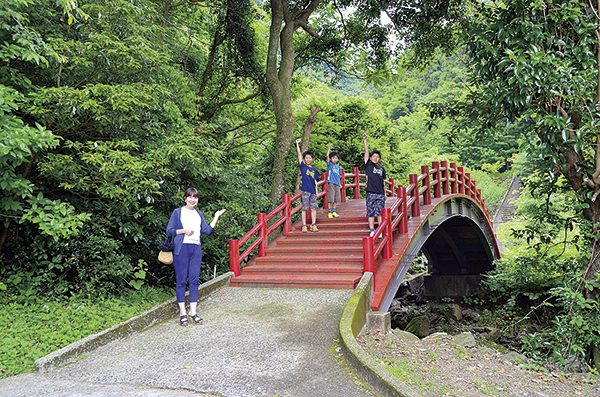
(443, 368)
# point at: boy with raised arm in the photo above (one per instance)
(308, 185)
(375, 186)
(334, 171)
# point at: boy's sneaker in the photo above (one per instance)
(304, 229)
(335, 214)
(313, 228)
(330, 215)
(372, 233)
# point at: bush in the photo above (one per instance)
(90, 264)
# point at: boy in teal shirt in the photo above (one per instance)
(334, 171)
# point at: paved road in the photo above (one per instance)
(254, 342)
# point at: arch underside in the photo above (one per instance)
(459, 244)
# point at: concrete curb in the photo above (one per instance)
(352, 324)
(139, 323)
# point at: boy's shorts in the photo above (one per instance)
(309, 200)
(375, 203)
(334, 194)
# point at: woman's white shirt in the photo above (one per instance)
(190, 219)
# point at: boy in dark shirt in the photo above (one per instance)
(308, 185)
(375, 186)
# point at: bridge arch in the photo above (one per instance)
(458, 241)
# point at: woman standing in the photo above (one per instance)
(186, 225)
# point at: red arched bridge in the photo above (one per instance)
(440, 213)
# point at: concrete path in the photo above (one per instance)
(254, 342)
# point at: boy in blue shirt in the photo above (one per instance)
(308, 185)
(334, 171)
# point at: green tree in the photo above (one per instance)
(539, 61)
(20, 143)
(532, 61)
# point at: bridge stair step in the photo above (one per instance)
(325, 232)
(312, 258)
(317, 250)
(316, 239)
(336, 281)
(334, 224)
(304, 268)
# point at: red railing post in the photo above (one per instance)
(444, 178)
(287, 213)
(324, 176)
(262, 234)
(387, 231)
(403, 224)
(343, 186)
(454, 177)
(426, 182)
(356, 183)
(368, 255)
(467, 183)
(234, 256)
(415, 210)
(461, 180)
(474, 191)
(437, 176)
(392, 187)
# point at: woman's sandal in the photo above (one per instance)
(183, 320)
(196, 318)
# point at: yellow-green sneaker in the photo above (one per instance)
(330, 215)
(335, 214)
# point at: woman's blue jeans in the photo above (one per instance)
(187, 266)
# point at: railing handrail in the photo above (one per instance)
(461, 184)
(441, 178)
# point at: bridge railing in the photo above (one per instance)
(440, 180)
(443, 179)
(262, 230)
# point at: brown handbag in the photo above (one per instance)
(166, 248)
(165, 257)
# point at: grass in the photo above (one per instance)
(405, 371)
(34, 329)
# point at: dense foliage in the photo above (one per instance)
(120, 94)
(535, 65)
(538, 286)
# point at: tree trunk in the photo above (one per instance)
(592, 269)
(592, 214)
(278, 81)
(279, 77)
(4, 234)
